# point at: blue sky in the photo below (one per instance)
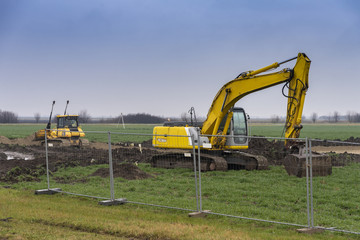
(163, 57)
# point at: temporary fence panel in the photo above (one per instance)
(316, 187)
(336, 196)
(78, 168)
(147, 175)
(265, 195)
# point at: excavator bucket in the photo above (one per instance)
(295, 164)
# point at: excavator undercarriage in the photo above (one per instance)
(209, 161)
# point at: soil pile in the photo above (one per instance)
(274, 151)
(27, 141)
(127, 171)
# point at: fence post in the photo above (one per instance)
(311, 186)
(307, 181)
(195, 173)
(48, 190)
(199, 158)
(112, 200)
(111, 170)
(47, 161)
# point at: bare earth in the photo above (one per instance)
(28, 159)
(337, 149)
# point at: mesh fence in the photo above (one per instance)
(315, 185)
(77, 169)
(263, 190)
(336, 196)
(151, 176)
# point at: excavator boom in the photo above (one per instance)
(248, 82)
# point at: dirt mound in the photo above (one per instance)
(4, 140)
(126, 170)
(27, 141)
(274, 151)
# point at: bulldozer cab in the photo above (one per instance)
(67, 121)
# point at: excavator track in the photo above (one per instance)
(183, 159)
(64, 142)
(210, 162)
(240, 160)
(57, 142)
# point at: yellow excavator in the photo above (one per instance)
(66, 133)
(225, 130)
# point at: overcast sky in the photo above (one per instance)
(163, 57)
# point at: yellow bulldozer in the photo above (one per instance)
(66, 133)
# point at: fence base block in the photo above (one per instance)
(199, 214)
(310, 230)
(118, 201)
(48, 191)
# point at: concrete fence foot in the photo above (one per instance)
(310, 230)
(118, 201)
(199, 214)
(47, 191)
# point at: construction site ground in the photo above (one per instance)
(25, 157)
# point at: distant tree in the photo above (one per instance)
(37, 117)
(336, 117)
(275, 119)
(352, 117)
(329, 117)
(142, 118)
(356, 117)
(314, 117)
(8, 117)
(84, 117)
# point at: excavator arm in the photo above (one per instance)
(296, 80)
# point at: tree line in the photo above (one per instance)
(351, 117)
(84, 117)
(8, 117)
(132, 118)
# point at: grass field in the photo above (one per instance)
(320, 131)
(271, 195)
(239, 193)
(66, 217)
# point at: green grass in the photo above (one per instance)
(270, 195)
(66, 217)
(19, 130)
(320, 131)
(138, 132)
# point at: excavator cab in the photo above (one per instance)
(233, 131)
(238, 129)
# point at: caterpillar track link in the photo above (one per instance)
(209, 162)
(241, 160)
(63, 142)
